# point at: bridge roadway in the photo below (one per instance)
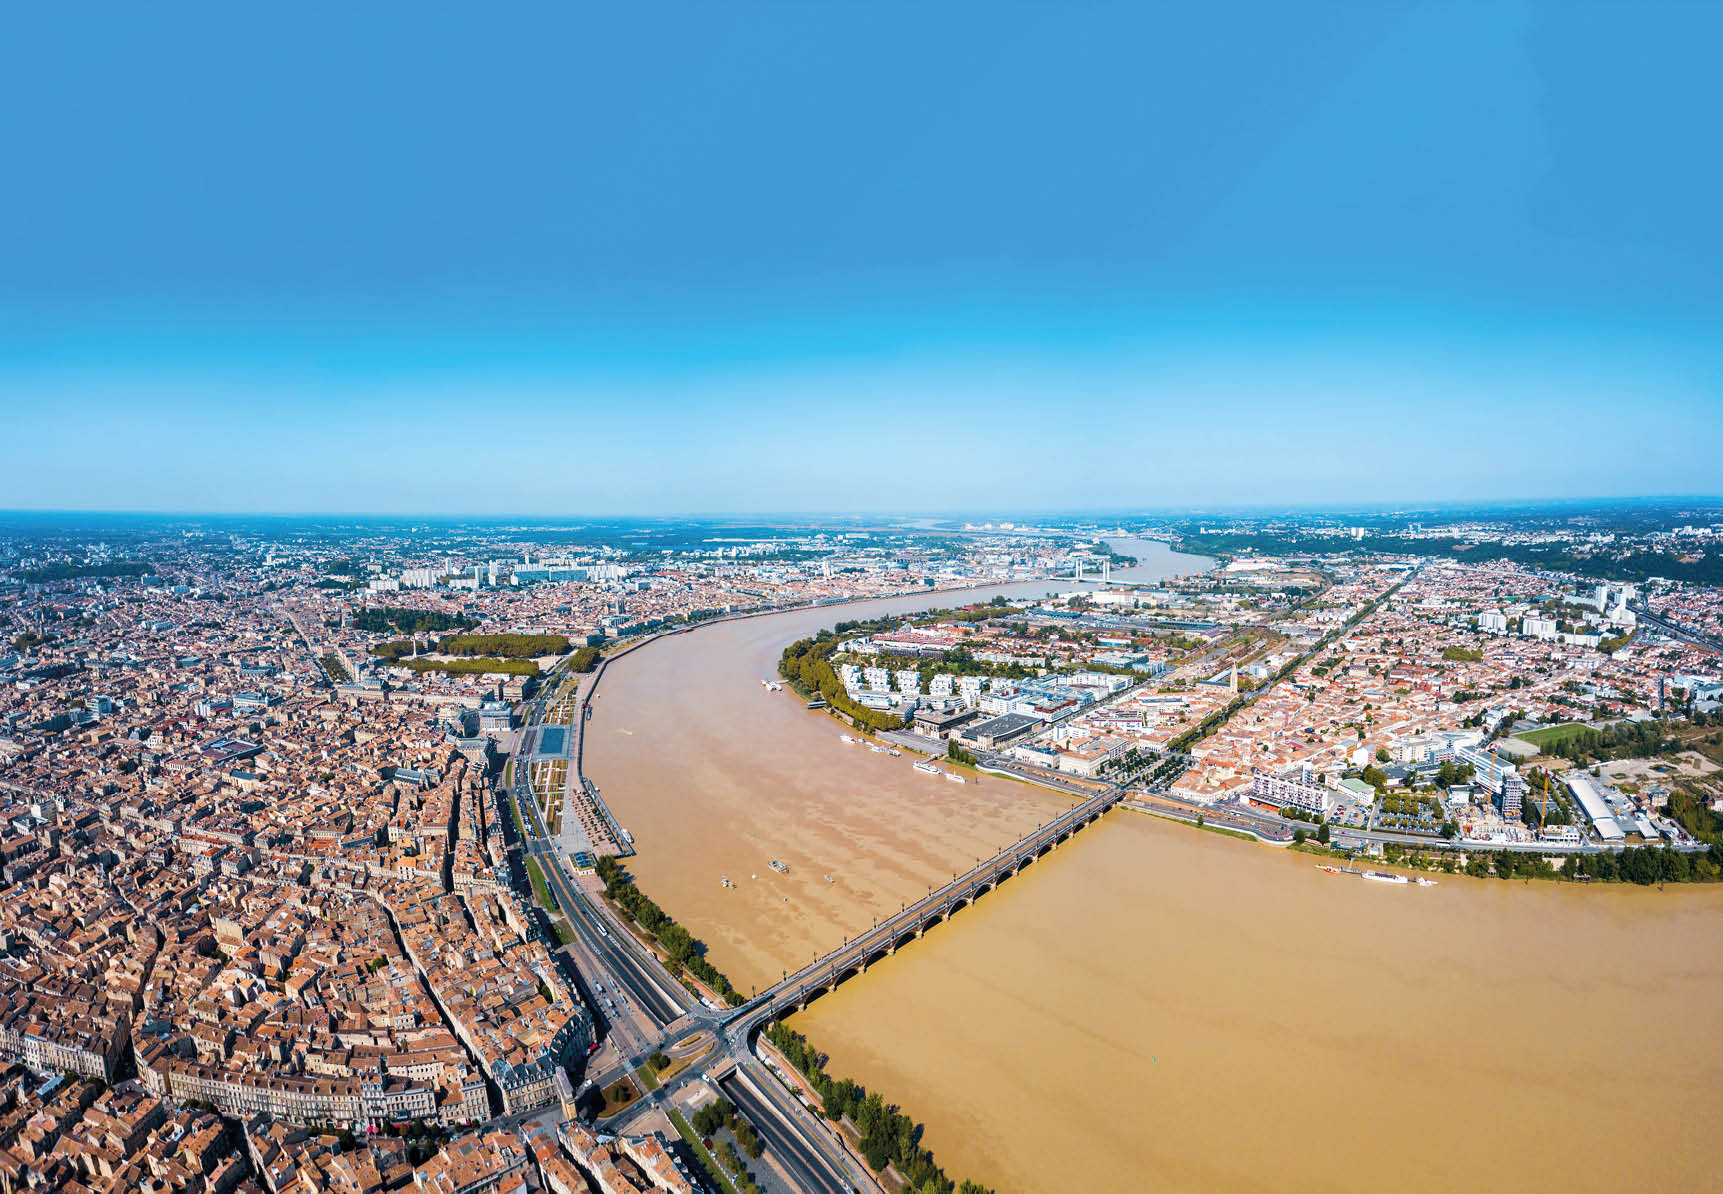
(853, 957)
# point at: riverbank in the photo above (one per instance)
(718, 777)
(1155, 976)
(1168, 977)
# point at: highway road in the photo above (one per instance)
(665, 1001)
(796, 1139)
(812, 1172)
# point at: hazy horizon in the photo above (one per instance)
(823, 517)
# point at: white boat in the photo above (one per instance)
(1423, 882)
(847, 738)
(927, 768)
(781, 868)
(893, 751)
(956, 779)
(829, 879)
(1384, 877)
(876, 748)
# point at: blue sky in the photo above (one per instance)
(699, 257)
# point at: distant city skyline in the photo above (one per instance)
(611, 263)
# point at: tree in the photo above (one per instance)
(1322, 833)
(751, 1142)
(878, 1156)
(1382, 755)
(1298, 836)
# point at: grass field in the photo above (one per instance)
(1550, 735)
(655, 1078)
(539, 887)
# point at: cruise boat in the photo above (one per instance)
(1384, 877)
(927, 768)
(780, 867)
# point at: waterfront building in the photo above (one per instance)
(1292, 790)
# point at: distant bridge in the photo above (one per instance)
(898, 930)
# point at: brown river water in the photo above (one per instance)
(715, 777)
(1152, 1007)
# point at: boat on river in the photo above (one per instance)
(780, 867)
(927, 768)
(1379, 876)
(955, 778)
